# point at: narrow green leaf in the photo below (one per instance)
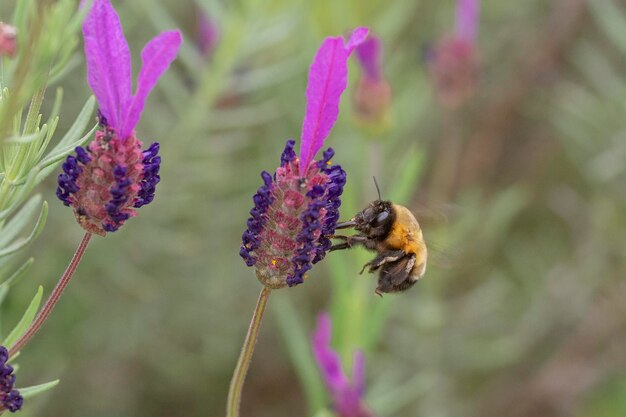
(74, 136)
(29, 392)
(4, 289)
(324, 413)
(19, 273)
(26, 319)
(41, 222)
(20, 220)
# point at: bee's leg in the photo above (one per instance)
(349, 241)
(383, 258)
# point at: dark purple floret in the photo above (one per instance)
(10, 398)
(151, 166)
(67, 180)
(102, 121)
(288, 154)
(82, 155)
(250, 238)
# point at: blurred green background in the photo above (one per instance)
(520, 193)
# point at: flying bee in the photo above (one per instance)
(393, 232)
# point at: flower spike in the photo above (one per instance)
(108, 180)
(328, 78)
(346, 395)
(298, 207)
(452, 62)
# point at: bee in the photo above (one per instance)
(393, 232)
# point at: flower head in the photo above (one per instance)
(372, 99)
(113, 176)
(8, 40)
(347, 396)
(297, 207)
(452, 62)
(10, 398)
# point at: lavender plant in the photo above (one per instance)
(25, 155)
(103, 183)
(297, 208)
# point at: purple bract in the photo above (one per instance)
(372, 98)
(298, 207)
(105, 182)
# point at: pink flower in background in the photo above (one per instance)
(107, 181)
(8, 40)
(452, 62)
(347, 396)
(208, 34)
(372, 99)
(297, 207)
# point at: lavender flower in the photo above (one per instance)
(8, 40)
(347, 396)
(10, 398)
(297, 207)
(372, 99)
(452, 62)
(105, 182)
(208, 33)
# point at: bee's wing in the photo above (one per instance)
(398, 271)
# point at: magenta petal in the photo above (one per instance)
(327, 359)
(328, 78)
(369, 54)
(108, 61)
(156, 57)
(358, 37)
(467, 19)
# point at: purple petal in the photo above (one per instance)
(156, 57)
(358, 372)
(108, 61)
(369, 54)
(328, 78)
(327, 359)
(467, 19)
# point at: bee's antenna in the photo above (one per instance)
(377, 189)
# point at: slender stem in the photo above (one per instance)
(245, 357)
(53, 298)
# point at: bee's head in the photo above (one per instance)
(375, 220)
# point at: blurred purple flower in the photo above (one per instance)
(208, 33)
(372, 98)
(10, 398)
(107, 181)
(298, 206)
(8, 40)
(467, 19)
(452, 63)
(347, 396)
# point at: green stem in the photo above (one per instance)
(245, 357)
(52, 300)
